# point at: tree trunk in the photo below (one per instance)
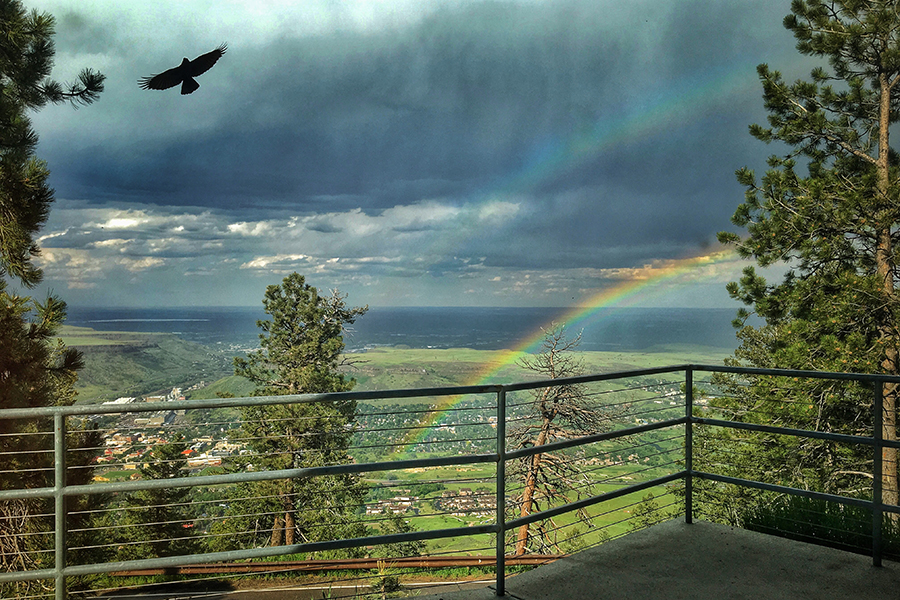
(277, 530)
(528, 493)
(889, 456)
(289, 528)
(884, 266)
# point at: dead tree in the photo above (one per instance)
(555, 413)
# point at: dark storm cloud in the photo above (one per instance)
(323, 227)
(443, 108)
(384, 143)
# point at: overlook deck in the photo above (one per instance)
(701, 561)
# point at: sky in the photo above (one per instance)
(408, 153)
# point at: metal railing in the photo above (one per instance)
(693, 414)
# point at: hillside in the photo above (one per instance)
(133, 364)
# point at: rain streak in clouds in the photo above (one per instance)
(440, 153)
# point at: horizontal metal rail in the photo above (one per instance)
(586, 502)
(799, 373)
(612, 376)
(230, 478)
(783, 489)
(590, 439)
(806, 433)
(134, 407)
(250, 553)
(346, 564)
(60, 490)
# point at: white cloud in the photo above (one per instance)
(75, 268)
(276, 263)
(110, 243)
(498, 211)
(122, 223)
(428, 214)
(136, 265)
(352, 250)
(49, 236)
(251, 229)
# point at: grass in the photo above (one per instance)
(816, 521)
(609, 519)
(86, 337)
(233, 384)
(393, 368)
(117, 475)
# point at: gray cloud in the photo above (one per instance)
(463, 139)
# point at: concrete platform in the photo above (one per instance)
(702, 561)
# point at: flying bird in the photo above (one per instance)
(184, 73)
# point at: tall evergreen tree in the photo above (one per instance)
(157, 522)
(35, 370)
(26, 59)
(301, 352)
(830, 211)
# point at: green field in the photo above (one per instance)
(608, 519)
(391, 368)
(85, 337)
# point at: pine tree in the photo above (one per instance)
(301, 351)
(26, 58)
(35, 370)
(829, 211)
(157, 522)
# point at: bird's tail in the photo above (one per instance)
(189, 86)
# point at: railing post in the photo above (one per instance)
(877, 470)
(689, 445)
(501, 493)
(59, 468)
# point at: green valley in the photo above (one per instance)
(135, 364)
(139, 364)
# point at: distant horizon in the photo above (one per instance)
(504, 327)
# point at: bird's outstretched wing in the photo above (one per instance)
(204, 62)
(183, 73)
(163, 81)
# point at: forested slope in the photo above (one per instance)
(134, 364)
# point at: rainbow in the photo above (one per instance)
(554, 159)
(647, 282)
(679, 102)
